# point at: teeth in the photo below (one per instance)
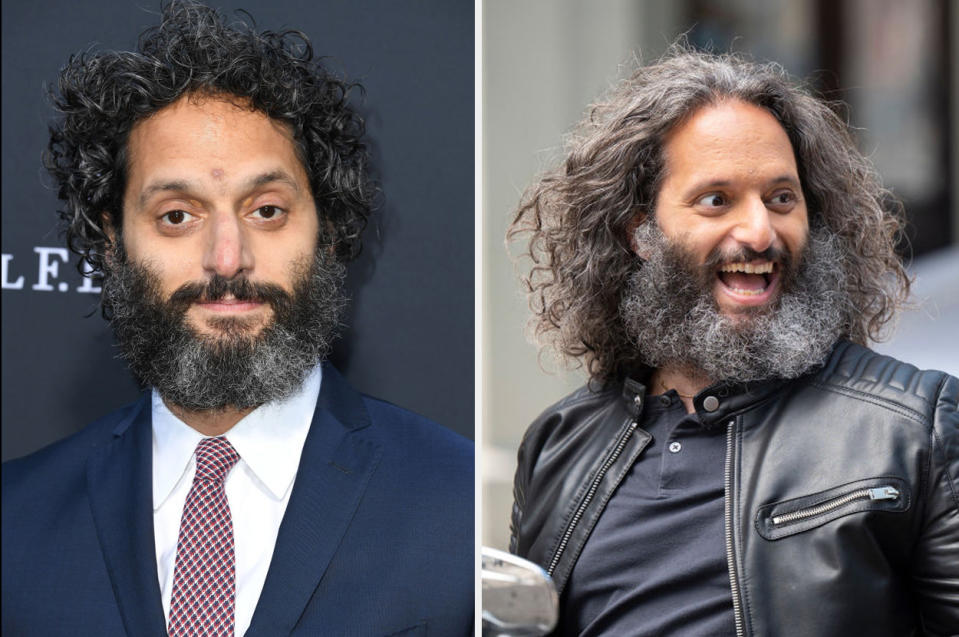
(748, 268)
(748, 292)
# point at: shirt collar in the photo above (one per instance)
(269, 440)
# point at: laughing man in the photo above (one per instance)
(717, 254)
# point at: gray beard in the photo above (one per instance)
(234, 368)
(672, 318)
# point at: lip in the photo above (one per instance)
(735, 299)
(230, 306)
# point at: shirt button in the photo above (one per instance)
(665, 401)
(675, 447)
(711, 403)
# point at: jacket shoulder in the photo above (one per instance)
(928, 398)
(579, 409)
(862, 373)
(412, 430)
(65, 459)
(581, 420)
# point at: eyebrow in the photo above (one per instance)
(273, 176)
(163, 186)
(184, 186)
(706, 184)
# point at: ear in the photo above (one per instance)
(106, 224)
(327, 232)
(631, 228)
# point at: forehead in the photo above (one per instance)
(210, 136)
(731, 138)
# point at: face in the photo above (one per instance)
(215, 192)
(671, 316)
(731, 198)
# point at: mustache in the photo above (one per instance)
(775, 254)
(240, 288)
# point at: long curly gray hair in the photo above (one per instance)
(578, 217)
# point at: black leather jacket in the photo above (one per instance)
(842, 493)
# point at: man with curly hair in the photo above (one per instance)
(716, 253)
(217, 178)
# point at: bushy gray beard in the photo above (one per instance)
(671, 314)
(235, 367)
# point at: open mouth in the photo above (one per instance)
(749, 283)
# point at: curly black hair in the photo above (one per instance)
(101, 96)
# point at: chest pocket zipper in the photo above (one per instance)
(781, 519)
(880, 493)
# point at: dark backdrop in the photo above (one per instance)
(410, 339)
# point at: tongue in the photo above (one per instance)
(743, 281)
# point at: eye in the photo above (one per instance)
(782, 200)
(712, 200)
(175, 217)
(268, 212)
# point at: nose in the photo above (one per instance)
(754, 227)
(227, 250)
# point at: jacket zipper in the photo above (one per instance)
(730, 562)
(886, 492)
(617, 450)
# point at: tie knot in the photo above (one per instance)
(214, 459)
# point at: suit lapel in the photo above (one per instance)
(119, 478)
(339, 457)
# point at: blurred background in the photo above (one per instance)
(893, 62)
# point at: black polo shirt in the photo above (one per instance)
(655, 564)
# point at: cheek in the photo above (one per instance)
(794, 231)
(702, 241)
(172, 265)
(279, 262)
(132, 240)
(174, 276)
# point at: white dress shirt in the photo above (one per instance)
(270, 441)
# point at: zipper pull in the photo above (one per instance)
(883, 493)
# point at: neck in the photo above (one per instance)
(210, 422)
(687, 383)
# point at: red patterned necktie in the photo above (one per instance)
(204, 582)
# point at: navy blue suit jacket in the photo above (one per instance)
(377, 538)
